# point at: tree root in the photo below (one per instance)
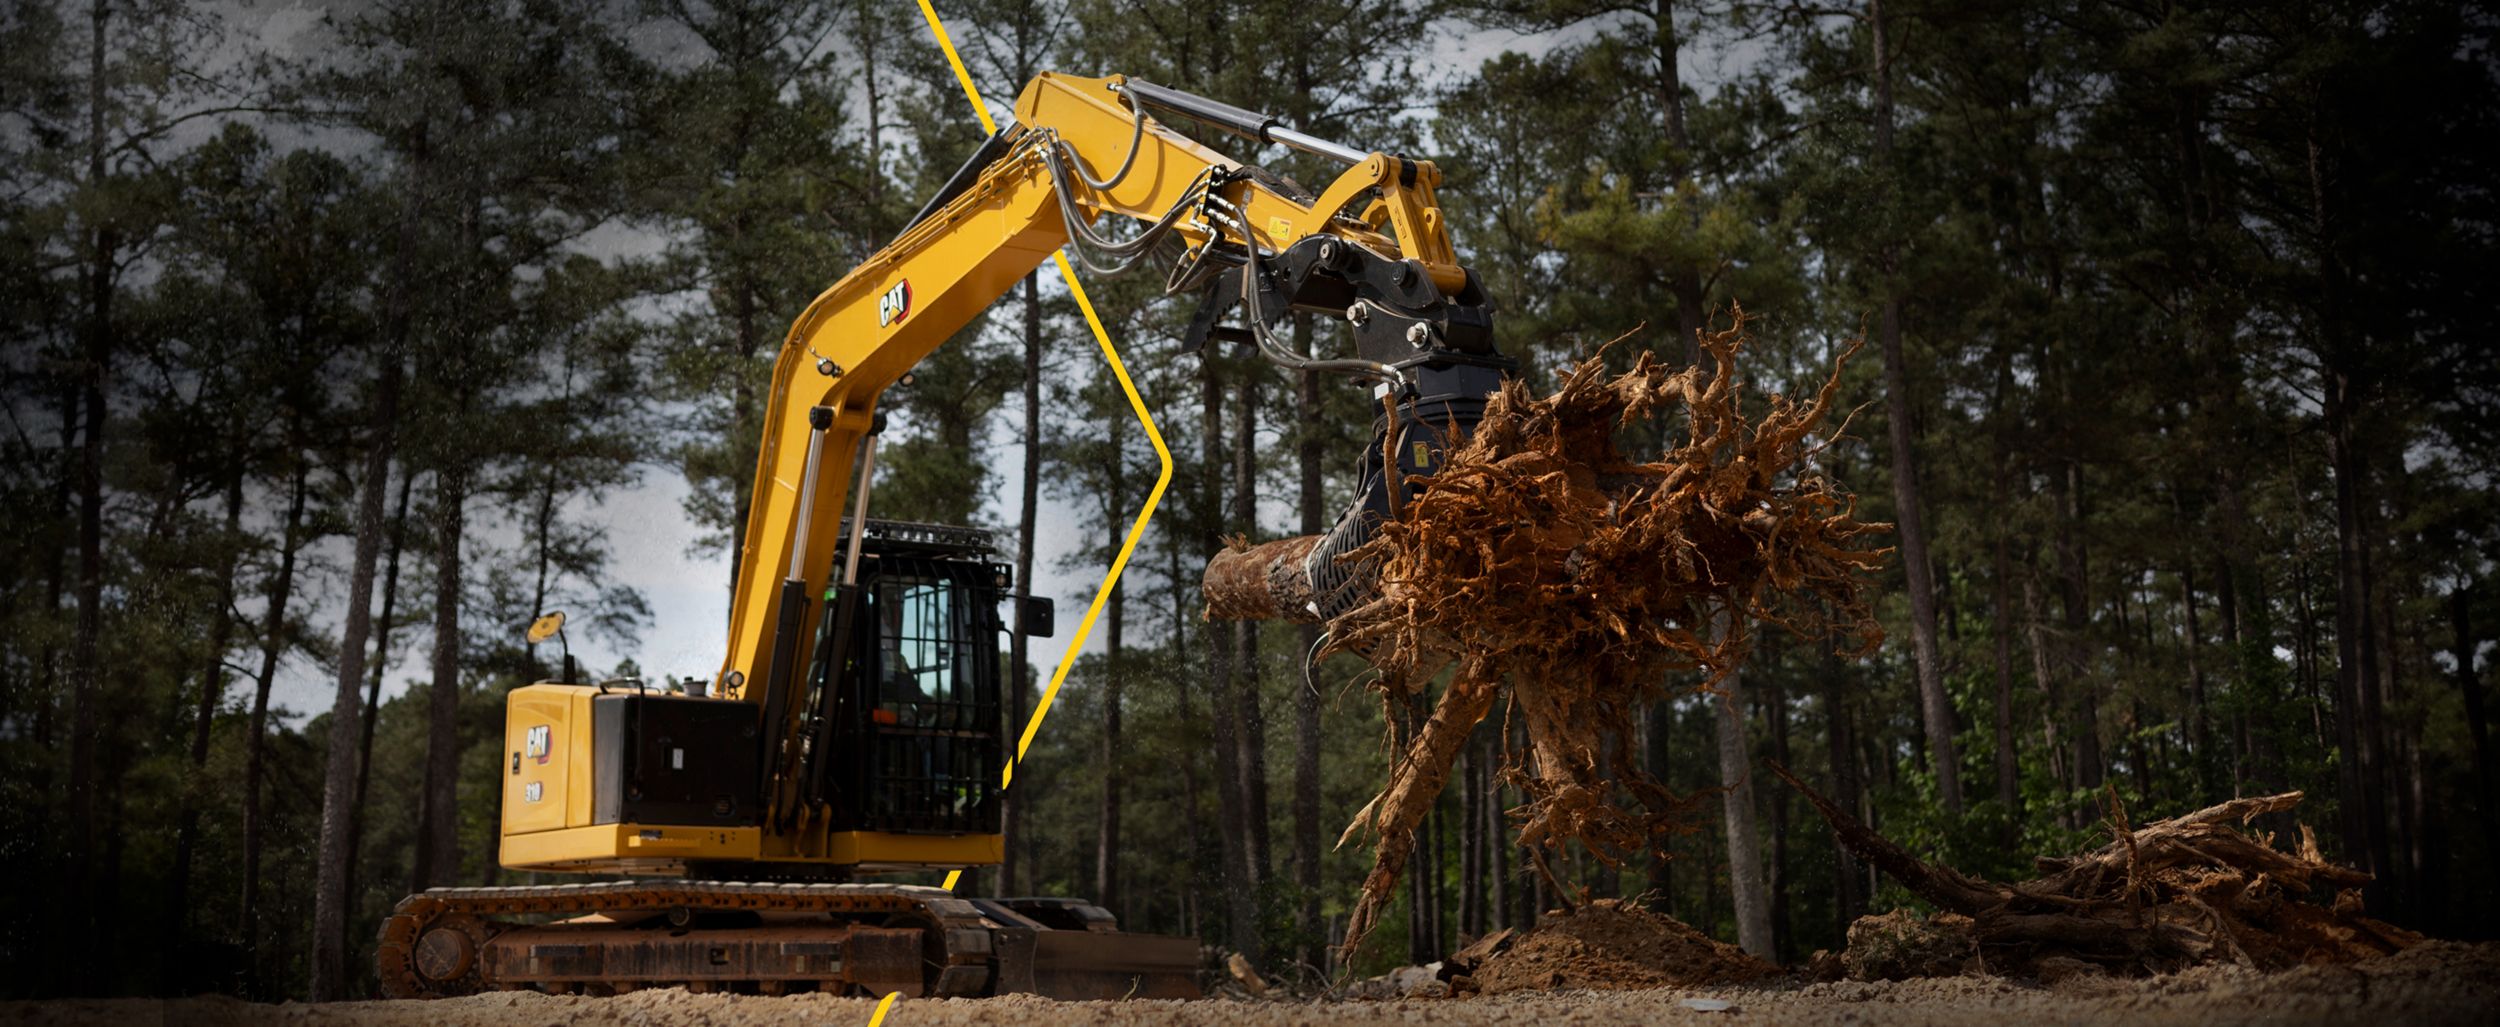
(1577, 583)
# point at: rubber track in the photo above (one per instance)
(394, 955)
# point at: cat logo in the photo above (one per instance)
(894, 304)
(538, 743)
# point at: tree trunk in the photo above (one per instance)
(56, 578)
(1497, 844)
(1684, 278)
(541, 530)
(1657, 759)
(273, 644)
(1775, 713)
(1240, 883)
(2477, 719)
(212, 692)
(2009, 772)
(1252, 733)
(2360, 774)
(1935, 706)
(390, 380)
(2008, 765)
(1470, 828)
(372, 712)
(86, 666)
(1115, 615)
(2200, 724)
(2073, 602)
(1840, 748)
(1306, 727)
(438, 825)
(1419, 947)
(1736, 802)
(1685, 285)
(1029, 484)
(338, 794)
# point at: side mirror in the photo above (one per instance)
(1036, 616)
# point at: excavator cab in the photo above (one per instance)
(919, 734)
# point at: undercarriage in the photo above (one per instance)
(867, 939)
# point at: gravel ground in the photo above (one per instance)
(2436, 983)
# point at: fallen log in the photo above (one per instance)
(1262, 582)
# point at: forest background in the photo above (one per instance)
(327, 351)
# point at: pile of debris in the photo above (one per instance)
(1551, 569)
(2190, 890)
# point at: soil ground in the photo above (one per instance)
(2435, 983)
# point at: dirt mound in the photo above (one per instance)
(1608, 944)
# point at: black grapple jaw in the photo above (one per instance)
(1441, 344)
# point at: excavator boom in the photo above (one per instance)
(854, 724)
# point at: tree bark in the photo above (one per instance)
(438, 825)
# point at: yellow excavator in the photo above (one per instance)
(855, 726)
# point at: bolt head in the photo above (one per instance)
(1359, 312)
(1419, 334)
